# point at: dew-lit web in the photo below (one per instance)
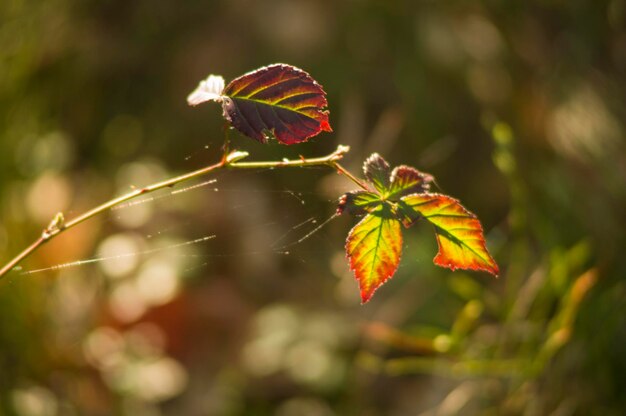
(302, 224)
(162, 196)
(120, 256)
(308, 221)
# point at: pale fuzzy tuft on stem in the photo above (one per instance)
(209, 89)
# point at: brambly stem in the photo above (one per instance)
(229, 161)
(350, 176)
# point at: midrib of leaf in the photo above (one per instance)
(275, 105)
(378, 238)
(446, 232)
(460, 242)
(374, 249)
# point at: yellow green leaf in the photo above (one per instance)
(459, 233)
(374, 247)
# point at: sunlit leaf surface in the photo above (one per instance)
(374, 247)
(278, 100)
(459, 233)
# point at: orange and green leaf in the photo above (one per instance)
(374, 247)
(459, 233)
(278, 100)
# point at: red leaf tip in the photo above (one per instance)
(325, 125)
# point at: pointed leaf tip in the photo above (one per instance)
(459, 233)
(278, 100)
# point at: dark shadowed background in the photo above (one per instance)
(516, 107)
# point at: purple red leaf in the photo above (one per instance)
(377, 171)
(407, 180)
(278, 100)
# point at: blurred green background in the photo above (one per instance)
(516, 107)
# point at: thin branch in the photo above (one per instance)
(329, 160)
(27, 252)
(231, 161)
(146, 190)
(350, 176)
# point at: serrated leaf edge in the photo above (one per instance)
(495, 270)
